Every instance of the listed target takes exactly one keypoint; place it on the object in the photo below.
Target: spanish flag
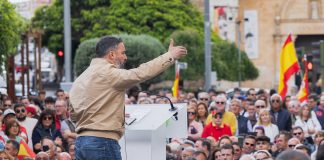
(25, 151)
(288, 65)
(303, 91)
(175, 87)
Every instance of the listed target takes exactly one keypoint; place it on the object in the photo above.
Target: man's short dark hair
(197, 153)
(292, 155)
(49, 100)
(106, 44)
(286, 134)
(249, 137)
(18, 105)
(297, 127)
(313, 96)
(227, 146)
(15, 144)
(263, 139)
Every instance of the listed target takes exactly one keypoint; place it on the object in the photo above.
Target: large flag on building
(288, 66)
(175, 87)
(303, 91)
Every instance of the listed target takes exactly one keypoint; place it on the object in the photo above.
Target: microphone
(173, 108)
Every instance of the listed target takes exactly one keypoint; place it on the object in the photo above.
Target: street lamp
(238, 23)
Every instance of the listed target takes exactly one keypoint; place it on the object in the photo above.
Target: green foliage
(139, 49)
(225, 62)
(224, 58)
(85, 52)
(96, 18)
(11, 25)
(193, 41)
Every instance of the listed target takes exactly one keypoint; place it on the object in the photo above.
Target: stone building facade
(271, 21)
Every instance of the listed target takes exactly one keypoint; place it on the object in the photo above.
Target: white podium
(146, 138)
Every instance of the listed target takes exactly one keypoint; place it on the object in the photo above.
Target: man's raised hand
(177, 51)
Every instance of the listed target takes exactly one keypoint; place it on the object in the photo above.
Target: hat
(8, 111)
(31, 110)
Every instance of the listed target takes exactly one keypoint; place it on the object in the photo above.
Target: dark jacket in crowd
(242, 124)
(284, 119)
(39, 132)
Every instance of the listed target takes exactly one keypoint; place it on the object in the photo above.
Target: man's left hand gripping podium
(148, 127)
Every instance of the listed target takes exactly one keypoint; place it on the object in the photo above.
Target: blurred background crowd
(248, 125)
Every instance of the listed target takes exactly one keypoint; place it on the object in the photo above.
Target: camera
(45, 148)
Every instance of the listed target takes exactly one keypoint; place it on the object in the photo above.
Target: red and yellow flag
(175, 87)
(25, 151)
(288, 65)
(303, 91)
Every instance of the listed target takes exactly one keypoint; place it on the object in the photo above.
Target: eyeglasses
(20, 110)
(47, 118)
(217, 116)
(252, 94)
(237, 150)
(203, 99)
(192, 113)
(298, 133)
(260, 106)
(291, 146)
(275, 100)
(249, 144)
(220, 102)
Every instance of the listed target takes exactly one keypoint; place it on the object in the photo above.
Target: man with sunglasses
(203, 97)
(292, 143)
(259, 104)
(228, 117)
(216, 128)
(299, 133)
(248, 144)
(280, 116)
(23, 120)
(7, 103)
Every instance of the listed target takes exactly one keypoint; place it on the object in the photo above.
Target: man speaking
(98, 94)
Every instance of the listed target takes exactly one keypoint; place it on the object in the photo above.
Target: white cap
(8, 111)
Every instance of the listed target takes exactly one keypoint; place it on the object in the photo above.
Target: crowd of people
(255, 125)
(249, 126)
(42, 123)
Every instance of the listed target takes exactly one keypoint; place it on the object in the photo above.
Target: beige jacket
(98, 95)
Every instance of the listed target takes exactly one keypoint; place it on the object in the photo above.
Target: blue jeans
(93, 148)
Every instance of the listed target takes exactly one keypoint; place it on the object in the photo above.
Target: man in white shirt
(23, 120)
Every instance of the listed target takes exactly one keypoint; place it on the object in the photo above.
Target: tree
(11, 26)
(152, 17)
(224, 58)
(139, 49)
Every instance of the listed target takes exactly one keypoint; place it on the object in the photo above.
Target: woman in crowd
(12, 131)
(216, 154)
(309, 124)
(202, 115)
(194, 128)
(264, 120)
(45, 127)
